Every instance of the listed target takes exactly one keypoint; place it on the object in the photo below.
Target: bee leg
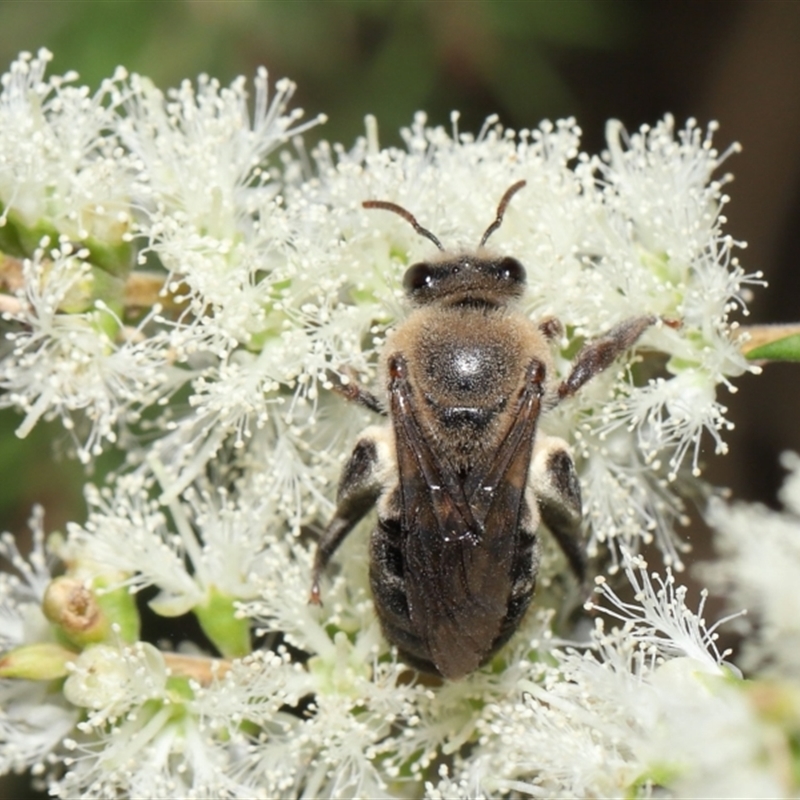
(358, 490)
(599, 353)
(354, 393)
(555, 485)
(551, 328)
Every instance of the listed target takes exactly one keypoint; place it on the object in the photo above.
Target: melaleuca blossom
(33, 720)
(183, 285)
(648, 703)
(84, 368)
(758, 569)
(61, 168)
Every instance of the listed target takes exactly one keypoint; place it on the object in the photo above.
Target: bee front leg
(359, 488)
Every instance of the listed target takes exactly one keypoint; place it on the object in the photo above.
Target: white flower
(188, 548)
(759, 570)
(268, 276)
(210, 206)
(60, 363)
(200, 154)
(627, 501)
(147, 733)
(60, 166)
(33, 719)
(21, 594)
(644, 707)
(111, 680)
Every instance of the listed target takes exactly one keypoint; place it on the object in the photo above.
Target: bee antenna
(406, 215)
(501, 210)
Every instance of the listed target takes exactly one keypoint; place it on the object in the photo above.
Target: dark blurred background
(736, 61)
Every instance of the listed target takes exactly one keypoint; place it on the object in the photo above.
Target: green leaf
(786, 349)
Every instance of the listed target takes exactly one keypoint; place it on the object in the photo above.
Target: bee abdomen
(388, 582)
(387, 574)
(387, 579)
(523, 573)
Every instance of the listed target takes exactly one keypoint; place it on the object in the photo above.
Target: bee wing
(459, 538)
(424, 479)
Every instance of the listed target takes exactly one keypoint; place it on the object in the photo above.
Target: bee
(460, 475)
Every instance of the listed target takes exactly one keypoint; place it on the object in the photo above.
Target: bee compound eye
(418, 276)
(509, 269)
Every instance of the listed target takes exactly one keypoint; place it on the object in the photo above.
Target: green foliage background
(387, 57)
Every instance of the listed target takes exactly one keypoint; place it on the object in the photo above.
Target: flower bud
(71, 605)
(45, 661)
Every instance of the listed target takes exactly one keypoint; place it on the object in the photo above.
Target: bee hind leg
(554, 482)
(598, 354)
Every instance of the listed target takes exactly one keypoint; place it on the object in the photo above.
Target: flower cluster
(759, 559)
(176, 282)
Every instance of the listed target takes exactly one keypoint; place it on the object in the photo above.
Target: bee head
(469, 278)
(464, 279)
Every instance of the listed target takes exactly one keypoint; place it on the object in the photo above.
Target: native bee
(460, 476)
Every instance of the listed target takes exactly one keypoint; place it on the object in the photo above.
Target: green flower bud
(45, 661)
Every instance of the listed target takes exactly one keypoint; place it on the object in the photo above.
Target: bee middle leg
(359, 488)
